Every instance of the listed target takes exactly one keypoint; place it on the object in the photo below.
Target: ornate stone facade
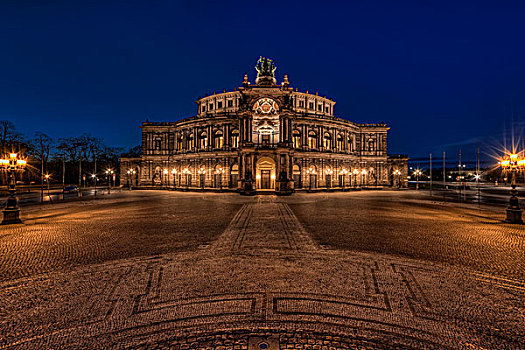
(264, 137)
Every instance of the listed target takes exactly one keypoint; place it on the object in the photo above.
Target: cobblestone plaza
(325, 271)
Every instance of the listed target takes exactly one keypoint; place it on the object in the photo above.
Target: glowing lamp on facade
(12, 155)
(272, 176)
(173, 171)
(21, 162)
(165, 171)
(258, 176)
(364, 172)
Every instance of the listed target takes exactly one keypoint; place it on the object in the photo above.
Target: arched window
(312, 140)
(190, 144)
(235, 138)
(203, 140)
(327, 141)
(296, 138)
(340, 142)
(218, 139)
(158, 144)
(350, 143)
(180, 140)
(371, 144)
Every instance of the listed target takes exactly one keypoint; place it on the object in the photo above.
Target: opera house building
(264, 137)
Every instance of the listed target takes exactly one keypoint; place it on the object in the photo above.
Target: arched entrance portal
(265, 174)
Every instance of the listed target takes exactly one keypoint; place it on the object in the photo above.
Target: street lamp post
(355, 172)
(187, 173)
(47, 176)
(131, 173)
(219, 172)
(174, 172)
(12, 164)
(310, 172)
(363, 174)
(165, 172)
(344, 172)
(109, 172)
(94, 176)
(417, 173)
(513, 163)
(397, 174)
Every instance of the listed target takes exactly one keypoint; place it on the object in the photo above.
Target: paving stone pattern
(263, 283)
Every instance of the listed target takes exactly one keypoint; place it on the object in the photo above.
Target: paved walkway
(264, 279)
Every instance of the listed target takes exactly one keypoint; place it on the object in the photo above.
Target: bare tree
(42, 147)
(8, 136)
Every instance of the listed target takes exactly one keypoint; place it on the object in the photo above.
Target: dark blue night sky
(443, 75)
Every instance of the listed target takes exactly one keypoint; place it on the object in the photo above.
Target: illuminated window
(190, 142)
(179, 143)
(327, 141)
(312, 140)
(203, 139)
(340, 141)
(218, 139)
(296, 139)
(157, 145)
(371, 144)
(350, 143)
(235, 138)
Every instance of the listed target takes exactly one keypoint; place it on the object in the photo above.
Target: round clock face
(266, 106)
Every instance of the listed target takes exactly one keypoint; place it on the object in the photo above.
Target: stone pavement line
(265, 225)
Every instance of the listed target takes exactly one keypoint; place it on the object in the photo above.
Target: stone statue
(265, 71)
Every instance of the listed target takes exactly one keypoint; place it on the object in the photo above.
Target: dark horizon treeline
(79, 155)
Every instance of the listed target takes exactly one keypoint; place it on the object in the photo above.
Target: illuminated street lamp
(328, 178)
(202, 176)
(344, 172)
(219, 171)
(47, 176)
(130, 173)
(397, 174)
(166, 174)
(94, 177)
(186, 171)
(418, 173)
(109, 172)
(363, 174)
(173, 172)
(514, 162)
(355, 172)
(311, 172)
(12, 164)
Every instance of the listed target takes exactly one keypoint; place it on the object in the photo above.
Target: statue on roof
(265, 71)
